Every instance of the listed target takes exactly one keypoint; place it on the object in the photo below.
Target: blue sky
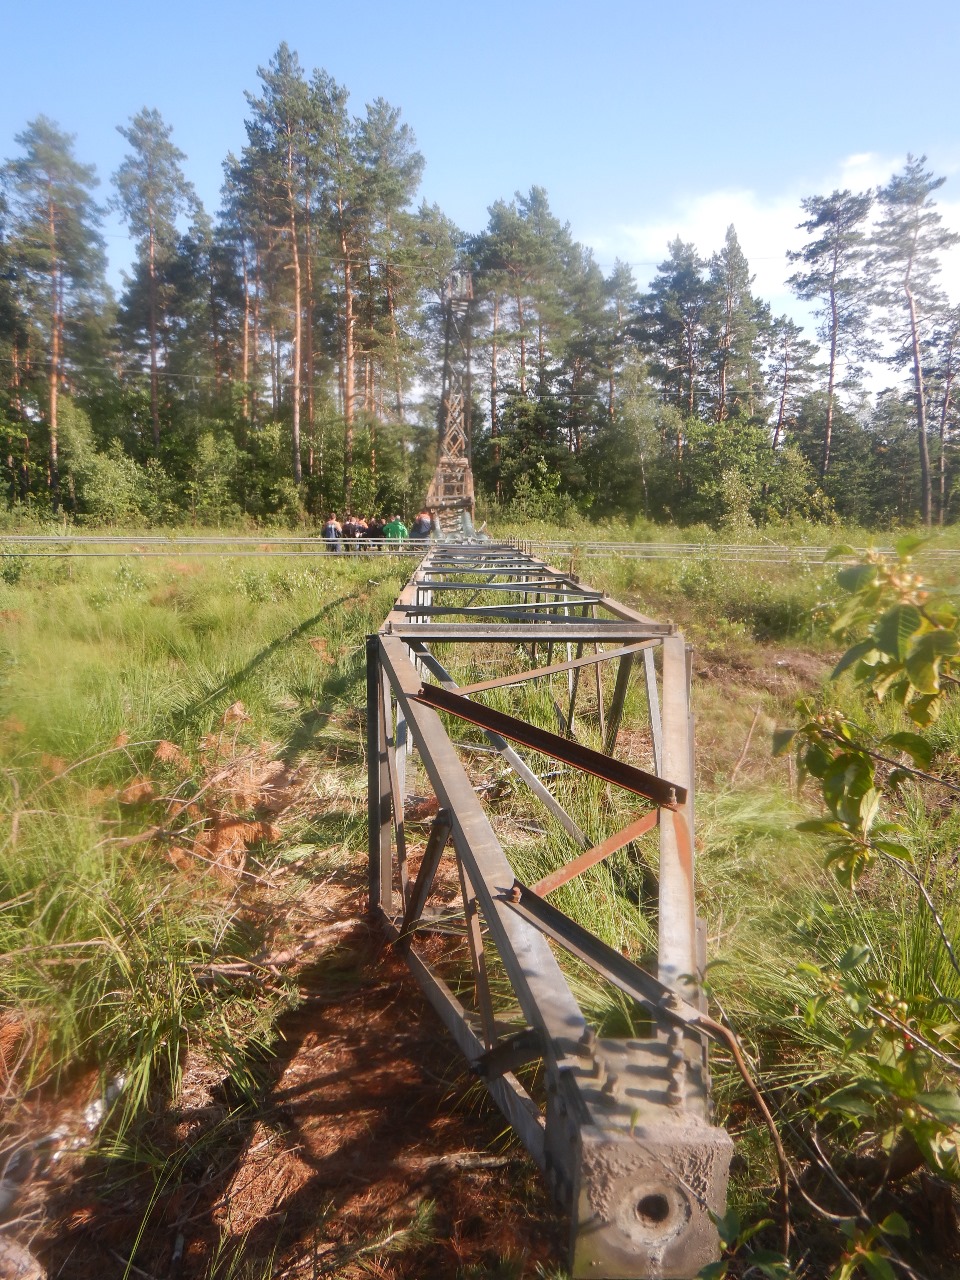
(642, 120)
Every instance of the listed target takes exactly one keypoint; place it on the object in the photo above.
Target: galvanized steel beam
(621, 1127)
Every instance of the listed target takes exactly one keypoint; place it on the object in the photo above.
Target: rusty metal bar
(396, 793)
(525, 612)
(653, 708)
(659, 790)
(677, 951)
(380, 885)
(597, 854)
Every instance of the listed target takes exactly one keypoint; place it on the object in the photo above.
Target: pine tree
(277, 144)
(343, 219)
(672, 327)
(392, 168)
(833, 277)
(59, 252)
(946, 355)
(152, 192)
(731, 327)
(904, 265)
(791, 368)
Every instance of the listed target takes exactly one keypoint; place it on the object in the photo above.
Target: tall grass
(110, 956)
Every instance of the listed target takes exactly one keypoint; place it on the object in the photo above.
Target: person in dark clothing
(421, 525)
(352, 530)
(332, 532)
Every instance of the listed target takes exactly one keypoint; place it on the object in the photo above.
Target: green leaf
(859, 1038)
(943, 1103)
(772, 1265)
(841, 549)
(893, 848)
(747, 1233)
(851, 656)
(813, 1007)
(816, 761)
(941, 614)
(822, 826)
(915, 745)
(782, 739)
(728, 1226)
(908, 543)
(853, 957)
(890, 1074)
(923, 711)
(896, 628)
(923, 660)
(894, 1225)
(877, 1265)
(869, 808)
(857, 576)
(713, 1271)
(849, 1101)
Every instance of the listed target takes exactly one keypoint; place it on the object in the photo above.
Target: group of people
(355, 528)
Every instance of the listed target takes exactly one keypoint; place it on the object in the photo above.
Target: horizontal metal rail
(620, 1126)
(768, 553)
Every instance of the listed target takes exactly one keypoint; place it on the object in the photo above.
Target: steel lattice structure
(621, 1127)
(450, 495)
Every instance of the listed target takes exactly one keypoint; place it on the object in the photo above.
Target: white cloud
(766, 228)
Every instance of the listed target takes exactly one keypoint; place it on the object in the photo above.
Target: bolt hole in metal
(653, 1209)
(651, 1213)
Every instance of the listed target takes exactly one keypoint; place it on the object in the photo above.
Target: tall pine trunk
(523, 347)
(395, 339)
(944, 415)
(308, 364)
(926, 493)
(348, 373)
(55, 305)
(245, 349)
(831, 383)
(297, 317)
(154, 373)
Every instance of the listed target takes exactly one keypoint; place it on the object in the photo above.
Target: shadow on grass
(227, 687)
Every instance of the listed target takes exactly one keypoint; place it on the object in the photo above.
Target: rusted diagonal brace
(659, 790)
(597, 854)
(436, 843)
(535, 672)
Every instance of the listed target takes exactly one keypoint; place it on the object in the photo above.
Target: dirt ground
(368, 1151)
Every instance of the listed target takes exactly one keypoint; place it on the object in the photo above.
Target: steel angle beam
(620, 1126)
(550, 744)
(550, 631)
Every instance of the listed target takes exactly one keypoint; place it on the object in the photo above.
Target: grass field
(181, 772)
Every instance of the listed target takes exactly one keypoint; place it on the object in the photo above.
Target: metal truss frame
(621, 1127)
(451, 496)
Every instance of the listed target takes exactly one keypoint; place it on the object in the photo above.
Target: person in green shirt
(395, 528)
